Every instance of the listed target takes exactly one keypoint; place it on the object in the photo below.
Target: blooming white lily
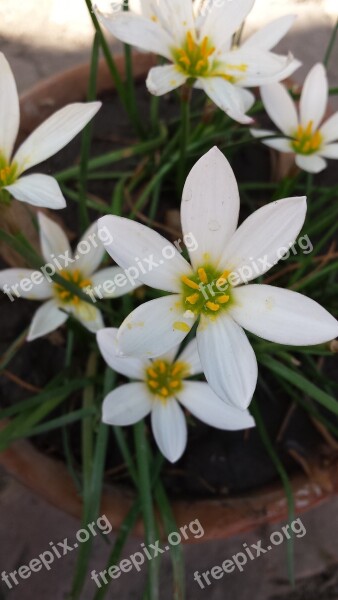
(210, 289)
(78, 269)
(159, 386)
(196, 38)
(311, 141)
(52, 135)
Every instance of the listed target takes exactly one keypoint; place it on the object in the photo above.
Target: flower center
(207, 291)
(65, 295)
(8, 175)
(193, 58)
(306, 141)
(164, 379)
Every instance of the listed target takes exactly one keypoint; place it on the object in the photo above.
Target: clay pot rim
(50, 479)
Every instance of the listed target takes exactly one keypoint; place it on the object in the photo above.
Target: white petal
(145, 254)
(55, 133)
(282, 316)
(46, 319)
(87, 314)
(89, 251)
(38, 190)
(129, 367)
(262, 67)
(228, 360)
(210, 207)
(169, 429)
(280, 107)
(53, 240)
(311, 164)
(139, 31)
(206, 406)
(264, 237)
(268, 36)
(111, 283)
(330, 129)
(280, 144)
(35, 286)
(177, 18)
(126, 405)
(224, 18)
(329, 151)
(248, 98)
(226, 96)
(313, 100)
(9, 109)
(154, 327)
(190, 355)
(164, 79)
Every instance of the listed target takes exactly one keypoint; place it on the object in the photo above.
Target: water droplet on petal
(214, 225)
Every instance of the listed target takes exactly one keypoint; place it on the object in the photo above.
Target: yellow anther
(162, 366)
(177, 368)
(76, 300)
(164, 392)
(174, 384)
(76, 276)
(153, 384)
(223, 299)
(308, 130)
(193, 298)
(192, 284)
(212, 306)
(152, 372)
(181, 326)
(64, 294)
(202, 275)
(223, 278)
(190, 42)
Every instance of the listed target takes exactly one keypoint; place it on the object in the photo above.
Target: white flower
(210, 290)
(311, 141)
(157, 388)
(52, 135)
(196, 39)
(78, 268)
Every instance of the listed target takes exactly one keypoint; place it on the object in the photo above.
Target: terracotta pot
(50, 479)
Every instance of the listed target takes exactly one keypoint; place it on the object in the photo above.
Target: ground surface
(43, 37)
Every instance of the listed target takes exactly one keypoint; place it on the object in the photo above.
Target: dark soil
(215, 462)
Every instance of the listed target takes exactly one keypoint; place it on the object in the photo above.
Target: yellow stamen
(192, 284)
(190, 42)
(193, 298)
(177, 368)
(202, 275)
(212, 306)
(152, 384)
(223, 299)
(164, 392)
(174, 384)
(162, 366)
(181, 326)
(152, 372)
(223, 278)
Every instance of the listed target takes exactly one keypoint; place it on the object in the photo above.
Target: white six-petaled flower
(78, 268)
(211, 289)
(52, 135)
(310, 140)
(196, 39)
(158, 387)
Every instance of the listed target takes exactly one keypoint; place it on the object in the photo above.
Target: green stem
(331, 45)
(108, 56)
(115, 156)
(86, 138)
(144, 483)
